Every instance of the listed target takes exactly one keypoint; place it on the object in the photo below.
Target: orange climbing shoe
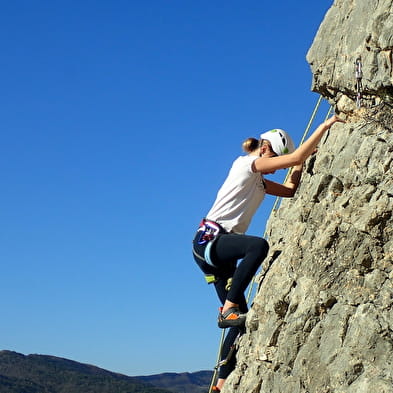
(231, 318)
(216, 389)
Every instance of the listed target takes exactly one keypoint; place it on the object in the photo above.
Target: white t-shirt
(239, 197)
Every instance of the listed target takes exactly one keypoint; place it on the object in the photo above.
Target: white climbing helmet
(280, 140)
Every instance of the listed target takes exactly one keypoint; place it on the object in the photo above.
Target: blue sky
(119, 121)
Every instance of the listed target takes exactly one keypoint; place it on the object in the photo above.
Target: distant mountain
(48, 374)
(198, 382)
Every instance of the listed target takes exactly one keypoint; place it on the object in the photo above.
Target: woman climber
(220, 241)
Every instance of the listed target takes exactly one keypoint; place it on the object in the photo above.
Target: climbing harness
(208, 230)
(359, 86)
(223, 362)
(207, 233)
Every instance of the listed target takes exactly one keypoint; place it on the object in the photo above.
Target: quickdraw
(359, 86)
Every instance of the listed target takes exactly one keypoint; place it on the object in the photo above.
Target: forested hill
(48, 374)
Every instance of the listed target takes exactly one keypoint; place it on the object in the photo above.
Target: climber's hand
(332, 120)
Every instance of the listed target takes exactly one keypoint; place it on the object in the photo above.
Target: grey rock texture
(353, 29)
(322, 320)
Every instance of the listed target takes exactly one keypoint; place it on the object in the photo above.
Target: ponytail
(250, 145)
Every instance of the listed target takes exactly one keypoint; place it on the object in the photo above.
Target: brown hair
(251, 144)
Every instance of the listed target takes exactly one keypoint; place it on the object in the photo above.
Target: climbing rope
(359, 86)
(215, 372)
(250, 288)
(306, 131)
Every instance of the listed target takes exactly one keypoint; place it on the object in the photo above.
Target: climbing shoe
(231, 318)
(216, 389)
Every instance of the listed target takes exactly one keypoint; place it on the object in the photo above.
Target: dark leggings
(226, 251)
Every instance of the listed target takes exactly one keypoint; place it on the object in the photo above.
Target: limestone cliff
(322, 320)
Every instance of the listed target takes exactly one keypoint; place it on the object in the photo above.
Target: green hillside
(197, 382)
(48, 374)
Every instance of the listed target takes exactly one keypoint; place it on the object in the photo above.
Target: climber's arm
(271, 164)
(287, 189)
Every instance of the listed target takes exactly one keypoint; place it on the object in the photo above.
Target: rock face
(354, 29)
(322, 320)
